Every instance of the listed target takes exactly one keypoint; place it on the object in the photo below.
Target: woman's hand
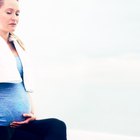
(28, 118)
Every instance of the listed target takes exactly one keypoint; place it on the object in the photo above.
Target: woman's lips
(13, 24)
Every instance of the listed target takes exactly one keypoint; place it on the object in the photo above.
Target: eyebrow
(13, 9)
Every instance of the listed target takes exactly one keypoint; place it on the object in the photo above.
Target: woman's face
(9, 15)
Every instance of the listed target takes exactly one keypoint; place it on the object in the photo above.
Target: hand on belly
(28, 117)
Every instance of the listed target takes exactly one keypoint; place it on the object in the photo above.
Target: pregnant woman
(17, 118)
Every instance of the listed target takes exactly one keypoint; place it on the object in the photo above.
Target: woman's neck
(4, 35)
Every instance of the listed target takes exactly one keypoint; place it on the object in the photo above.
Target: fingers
(30, 115)
(17, 124)
(27, 115)
(28, 118)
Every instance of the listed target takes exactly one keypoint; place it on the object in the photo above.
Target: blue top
(14, 100)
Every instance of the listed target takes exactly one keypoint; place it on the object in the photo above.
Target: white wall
(86, 62)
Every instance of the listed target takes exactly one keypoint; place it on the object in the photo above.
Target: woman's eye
(17, 14)
(8, 12)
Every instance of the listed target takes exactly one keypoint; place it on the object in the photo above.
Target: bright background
(86, 62)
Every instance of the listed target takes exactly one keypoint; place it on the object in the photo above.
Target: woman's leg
(46, 129)
(6, 133)
(24, 135)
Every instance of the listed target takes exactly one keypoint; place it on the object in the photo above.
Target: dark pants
(6, 132)
(46, 129)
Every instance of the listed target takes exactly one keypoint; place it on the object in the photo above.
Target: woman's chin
(12, 29)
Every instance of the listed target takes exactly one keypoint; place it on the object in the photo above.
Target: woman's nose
(14, 17)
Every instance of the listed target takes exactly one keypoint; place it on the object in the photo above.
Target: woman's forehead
(13, 4)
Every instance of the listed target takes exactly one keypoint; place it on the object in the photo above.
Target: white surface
(85, 135)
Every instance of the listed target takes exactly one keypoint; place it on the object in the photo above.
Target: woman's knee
(59, 124)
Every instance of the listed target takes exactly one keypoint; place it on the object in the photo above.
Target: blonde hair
(21, 44)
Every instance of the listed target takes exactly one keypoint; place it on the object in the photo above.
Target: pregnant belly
(14, 102)
(13, 111)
